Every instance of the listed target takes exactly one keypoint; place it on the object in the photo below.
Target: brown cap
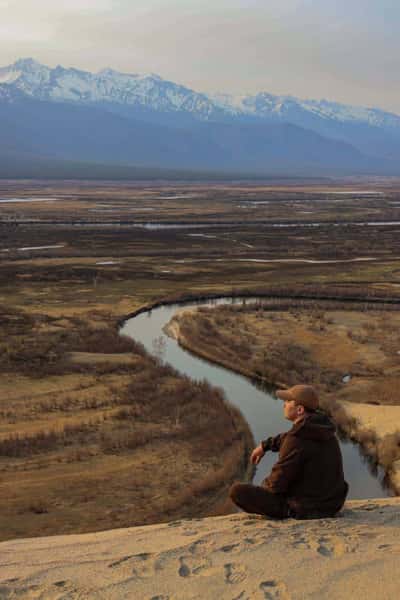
(301, 394)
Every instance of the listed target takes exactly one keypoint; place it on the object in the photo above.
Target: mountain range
(113, 118)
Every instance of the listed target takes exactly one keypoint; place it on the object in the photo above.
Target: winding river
(262, 410)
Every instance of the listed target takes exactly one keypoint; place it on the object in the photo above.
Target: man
(307, 481)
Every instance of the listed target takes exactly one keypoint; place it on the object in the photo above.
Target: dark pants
(257, 499)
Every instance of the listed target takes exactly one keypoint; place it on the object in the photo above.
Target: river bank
(356, 419)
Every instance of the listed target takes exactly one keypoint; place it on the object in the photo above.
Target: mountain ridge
(99, 86)
(142, 119)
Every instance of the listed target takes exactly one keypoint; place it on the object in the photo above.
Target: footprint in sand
(229, 548)
(261, 538)
(328, 546)
(242, 596)
(393, 548)
(234, 573)
(274, 590)
(301, 541)
(331, 546)
(132, 557)
(201, 547)
(57, 591)
(139, 565)
(190, 565)
(247, 541)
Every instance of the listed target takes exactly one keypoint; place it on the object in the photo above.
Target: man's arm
(271, 443)
(288, 468)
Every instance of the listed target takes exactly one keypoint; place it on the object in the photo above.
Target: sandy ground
(235, 557)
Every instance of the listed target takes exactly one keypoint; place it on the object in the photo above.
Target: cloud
(348, 50)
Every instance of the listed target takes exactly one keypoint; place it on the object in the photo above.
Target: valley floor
(86, 439)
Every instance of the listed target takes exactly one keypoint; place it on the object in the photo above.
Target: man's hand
(257, 455)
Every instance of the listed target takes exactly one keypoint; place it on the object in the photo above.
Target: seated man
(307, 481)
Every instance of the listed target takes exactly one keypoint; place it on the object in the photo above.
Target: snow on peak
(12, 73)
(8, 76)
(151, 91)
(107, 72)
(108, 85)
(292, 108)
(26, 64)
(300, 111)
(229, 102)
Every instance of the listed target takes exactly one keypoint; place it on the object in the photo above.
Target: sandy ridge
(235, 557)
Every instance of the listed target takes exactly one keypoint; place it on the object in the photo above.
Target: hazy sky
(346, 50)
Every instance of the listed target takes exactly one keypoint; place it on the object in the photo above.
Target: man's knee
(256, 499)
(236, 492)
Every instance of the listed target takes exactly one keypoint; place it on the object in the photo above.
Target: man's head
(298, 401)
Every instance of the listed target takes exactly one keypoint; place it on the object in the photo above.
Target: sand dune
(237, 557)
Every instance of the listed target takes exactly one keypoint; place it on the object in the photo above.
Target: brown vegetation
(115, 411)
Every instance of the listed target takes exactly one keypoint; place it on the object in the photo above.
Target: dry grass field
(320, 342)
(94, 433)
(92, 440)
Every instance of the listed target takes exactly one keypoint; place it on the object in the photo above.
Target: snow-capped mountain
(283, 107)
(73, 85)
(151, 91)
(144, 119)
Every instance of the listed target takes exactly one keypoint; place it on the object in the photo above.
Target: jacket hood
(315, 426)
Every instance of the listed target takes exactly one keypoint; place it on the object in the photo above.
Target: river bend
(261, 410)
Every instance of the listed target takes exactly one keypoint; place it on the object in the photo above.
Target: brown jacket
(309, 471)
